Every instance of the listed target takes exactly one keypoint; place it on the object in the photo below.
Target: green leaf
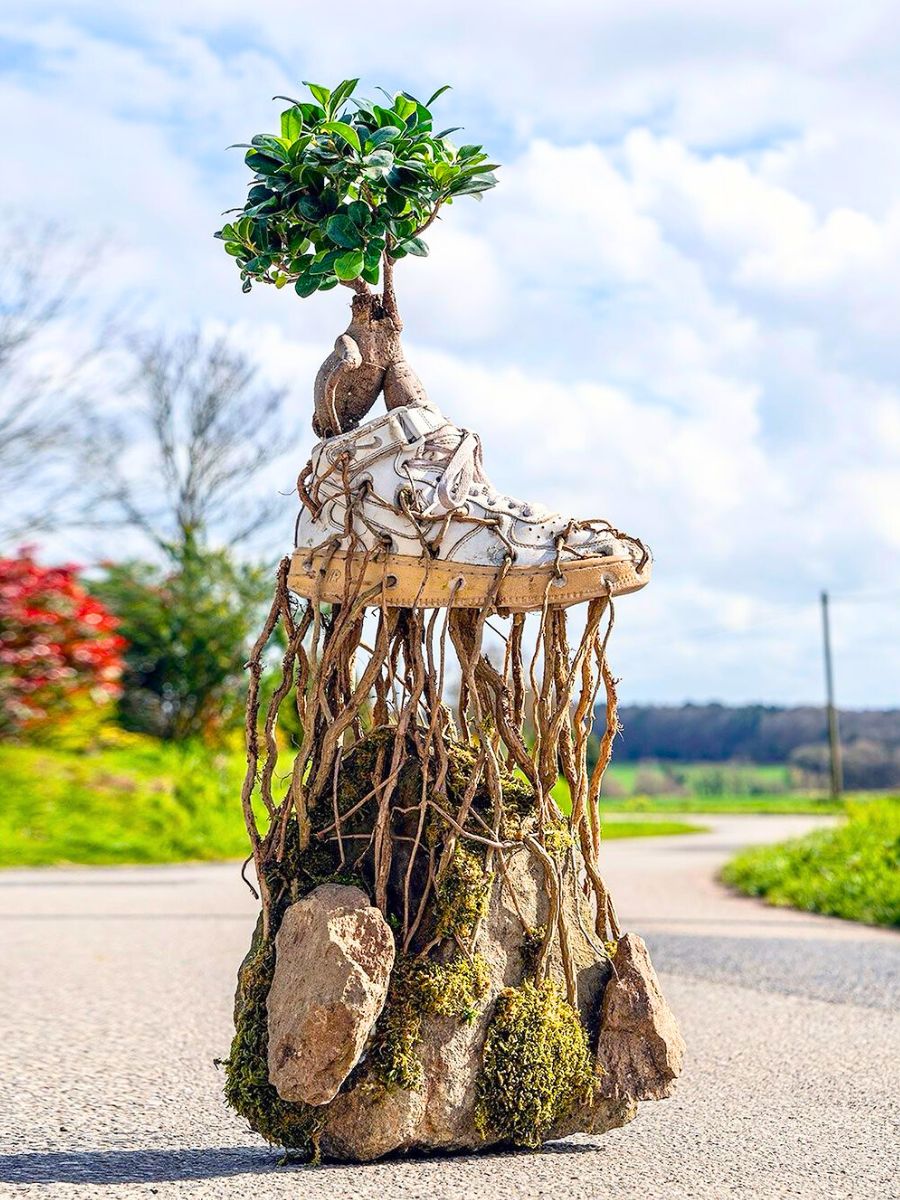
(301, 265)
(235, 249)
(396, 203)
(349, 266)
(325, 262)
(404, 106)
(322, 94)
(299, 147)
(473, 167)
(387, 134)
(306, 285)
(467, 151)
(310, 207)
(446, 132)
(260, 264)
(291, 123)
(443, 172)
(413, 245)
(342, 92)
(270, 145)
(360, 214)
(386, 117)
(343, 231)
(330, 282)
(329, 200)
(372, 274)
(439, 92)
(378, 163)
(262, 164)
(297, 241)
(343, 131)
(469, 187)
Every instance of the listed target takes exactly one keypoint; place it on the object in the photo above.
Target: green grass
(702, 788)
(797, 802)
(851, 871)
(143, 802)
(616, 828)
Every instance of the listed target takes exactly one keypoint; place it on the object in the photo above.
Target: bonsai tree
(346, 191)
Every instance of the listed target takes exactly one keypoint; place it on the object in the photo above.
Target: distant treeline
(763, 734)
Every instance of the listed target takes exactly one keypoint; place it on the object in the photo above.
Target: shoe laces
(457, 453)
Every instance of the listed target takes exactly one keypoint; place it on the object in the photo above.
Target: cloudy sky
(679, 310)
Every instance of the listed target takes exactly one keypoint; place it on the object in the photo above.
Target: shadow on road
(166, 1166)
(133, 1166)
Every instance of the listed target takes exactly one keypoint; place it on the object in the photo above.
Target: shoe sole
(402, 581)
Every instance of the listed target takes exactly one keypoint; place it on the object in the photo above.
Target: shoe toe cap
(609, 543)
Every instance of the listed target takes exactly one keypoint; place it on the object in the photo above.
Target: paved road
(114, 999)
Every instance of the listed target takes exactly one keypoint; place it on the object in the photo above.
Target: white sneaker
(401, 508)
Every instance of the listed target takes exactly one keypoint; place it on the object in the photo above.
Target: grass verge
(142, 801)
(612, 829)
(851, 871)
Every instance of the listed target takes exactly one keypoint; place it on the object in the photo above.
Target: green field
(701, 788)
(851, 871)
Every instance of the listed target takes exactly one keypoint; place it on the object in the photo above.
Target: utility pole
(834, 739)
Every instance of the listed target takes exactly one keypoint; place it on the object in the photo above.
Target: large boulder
(641, 1049)
(368, 1120)
(333, 958)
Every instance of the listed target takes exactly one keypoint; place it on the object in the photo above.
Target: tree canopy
(346, 189)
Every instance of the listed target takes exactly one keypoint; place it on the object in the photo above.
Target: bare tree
(179, 463)
(42, 374)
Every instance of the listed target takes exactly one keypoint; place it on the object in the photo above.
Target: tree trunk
(367, 359)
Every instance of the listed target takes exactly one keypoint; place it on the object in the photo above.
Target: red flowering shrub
(59, 650)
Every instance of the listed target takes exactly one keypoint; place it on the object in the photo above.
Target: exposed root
(345, 685)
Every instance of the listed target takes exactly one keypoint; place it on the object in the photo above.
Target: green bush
(188, 627)
(850, 871)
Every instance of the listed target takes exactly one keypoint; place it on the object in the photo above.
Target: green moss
(422, 988)
(518, 795)
(536, 1064)
(558, 839)
(462, 895)
(532, 941)
(247, 1087)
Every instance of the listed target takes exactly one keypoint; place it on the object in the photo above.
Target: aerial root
(333, 685)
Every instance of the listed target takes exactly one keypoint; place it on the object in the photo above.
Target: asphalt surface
(115, 990)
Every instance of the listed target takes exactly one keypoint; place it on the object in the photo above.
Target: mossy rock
(429, 1076)
(537, 1068)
